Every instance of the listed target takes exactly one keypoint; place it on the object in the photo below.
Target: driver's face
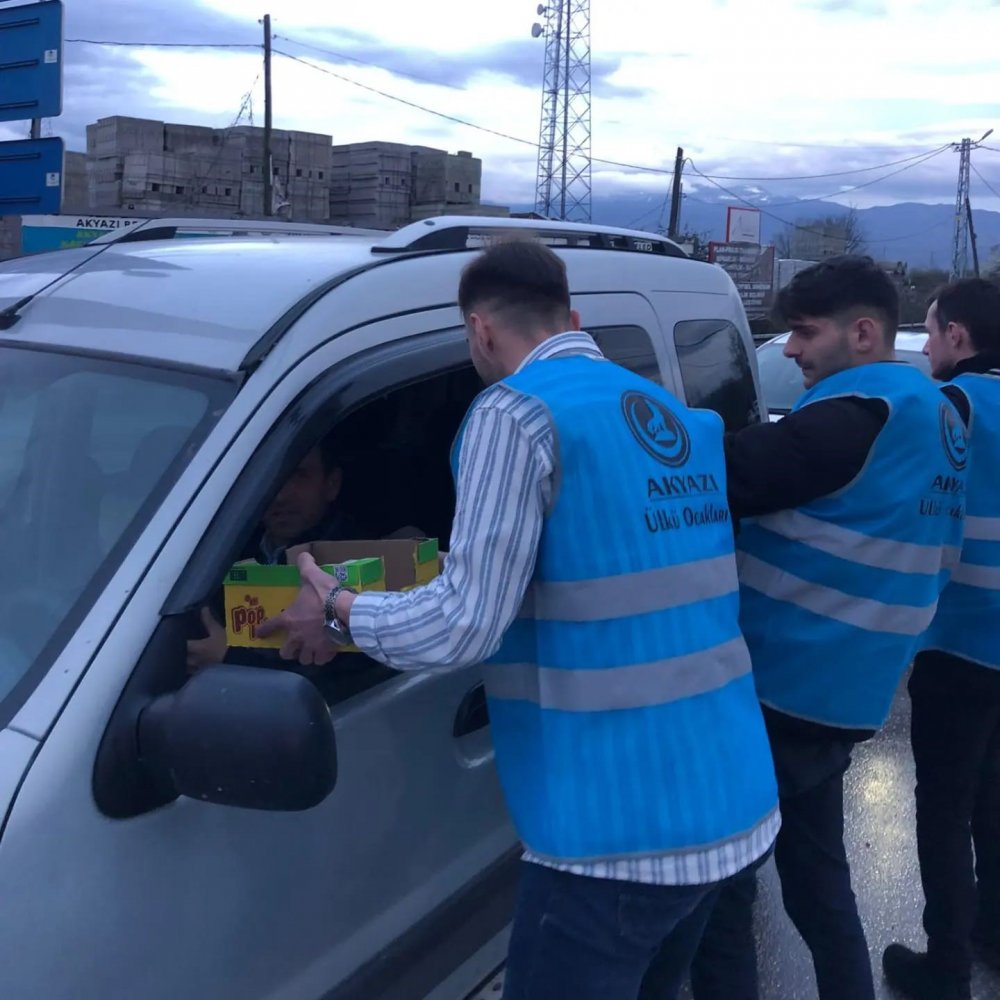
(303, 502)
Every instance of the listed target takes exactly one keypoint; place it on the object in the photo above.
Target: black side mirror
(241, 736)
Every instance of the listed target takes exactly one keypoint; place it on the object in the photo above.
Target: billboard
(742, 225)
(752, 270)
(58, 232)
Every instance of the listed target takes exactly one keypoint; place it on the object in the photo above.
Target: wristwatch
(337, 631)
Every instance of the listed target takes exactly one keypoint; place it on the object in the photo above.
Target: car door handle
(472, 714)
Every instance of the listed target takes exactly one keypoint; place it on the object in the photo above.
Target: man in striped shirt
(592, 569)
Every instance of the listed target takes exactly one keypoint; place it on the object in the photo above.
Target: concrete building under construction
(383, 185)
(151, 168)
(146, 167)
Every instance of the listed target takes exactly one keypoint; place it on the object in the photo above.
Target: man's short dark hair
(521, 275)
(975, 303)
(839, 286)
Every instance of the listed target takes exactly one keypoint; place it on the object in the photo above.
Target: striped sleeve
(503, 488)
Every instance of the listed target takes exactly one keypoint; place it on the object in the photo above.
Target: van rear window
(716, 372)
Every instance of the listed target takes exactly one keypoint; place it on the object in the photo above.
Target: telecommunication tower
(563, 188)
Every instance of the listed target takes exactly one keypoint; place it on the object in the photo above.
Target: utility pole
(960, 243)
(675, 196)
(972, 238)
(267, 166)
(963, 213)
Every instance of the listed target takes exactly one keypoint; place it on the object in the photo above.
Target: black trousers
(955, 732)
(815, 882)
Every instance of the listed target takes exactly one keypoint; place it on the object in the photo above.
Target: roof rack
(169, 229)
(462, 232)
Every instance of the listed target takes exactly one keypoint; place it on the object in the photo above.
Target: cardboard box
(407, 562)
(254, 592)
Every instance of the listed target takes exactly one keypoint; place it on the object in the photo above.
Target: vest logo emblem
(956, 448)
(657, 430)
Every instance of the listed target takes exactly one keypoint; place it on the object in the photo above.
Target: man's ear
(867, 335)
(481, 331)
(574, 320)
(958, 337)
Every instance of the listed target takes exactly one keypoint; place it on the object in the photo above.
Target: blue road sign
(31, 176)
(31, 41)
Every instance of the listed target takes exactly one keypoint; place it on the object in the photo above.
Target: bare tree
(816, 238)
(854, 235)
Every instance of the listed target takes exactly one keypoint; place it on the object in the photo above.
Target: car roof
(906, 340)
(208, 301)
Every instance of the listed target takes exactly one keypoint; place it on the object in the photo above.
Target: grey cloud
(99, 81)
(107, 80)
(519, 61)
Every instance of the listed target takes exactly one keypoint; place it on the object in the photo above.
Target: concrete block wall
(152, 167)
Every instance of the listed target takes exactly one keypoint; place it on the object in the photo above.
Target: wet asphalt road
(881, 839)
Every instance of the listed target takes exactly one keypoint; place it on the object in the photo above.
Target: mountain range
(921, 235)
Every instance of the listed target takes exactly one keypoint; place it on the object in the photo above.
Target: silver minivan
(246, 832)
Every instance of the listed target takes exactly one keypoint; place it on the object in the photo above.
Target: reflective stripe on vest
(639, 593)
(983, 529)
(861, 612)
(868, 550)
(638, 685)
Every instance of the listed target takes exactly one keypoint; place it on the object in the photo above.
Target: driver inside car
(303, 510)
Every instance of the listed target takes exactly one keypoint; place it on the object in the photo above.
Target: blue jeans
(581, 938)
(815, 884)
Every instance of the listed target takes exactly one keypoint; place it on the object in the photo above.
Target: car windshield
(781, 380)
(88, 449)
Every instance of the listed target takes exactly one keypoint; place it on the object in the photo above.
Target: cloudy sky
(749, 88)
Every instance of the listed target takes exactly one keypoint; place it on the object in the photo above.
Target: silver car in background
(781, 380)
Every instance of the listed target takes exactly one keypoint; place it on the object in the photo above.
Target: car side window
(629, 346)
(392, 453)
(715, 369)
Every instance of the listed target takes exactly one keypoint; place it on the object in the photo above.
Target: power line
(404, 101)
(745, 201)
(835, 173)
(166, 45)
(911, 160)
(984, 180)
(367, 62)
(914, 159)
(459, 121)
(858, 187)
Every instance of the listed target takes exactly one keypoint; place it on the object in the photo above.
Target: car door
(396, 879)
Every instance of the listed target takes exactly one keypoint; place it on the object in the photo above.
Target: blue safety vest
(621, 700)
(968, 618)
(836, 594)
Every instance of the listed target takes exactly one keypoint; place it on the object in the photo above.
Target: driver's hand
(303, 621)
(211, 649)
